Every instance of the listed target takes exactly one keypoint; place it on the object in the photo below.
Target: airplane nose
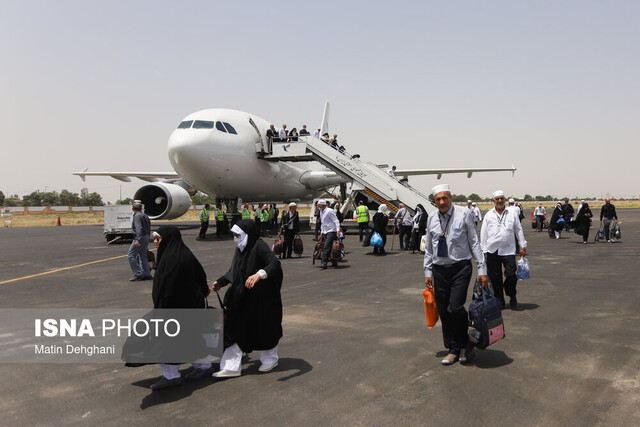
(183, 144)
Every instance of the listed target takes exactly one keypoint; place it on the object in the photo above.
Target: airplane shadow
(186, 389)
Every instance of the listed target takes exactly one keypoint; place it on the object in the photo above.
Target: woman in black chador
(179, 282)
(254, 307)
(582, 222)
(380, 221)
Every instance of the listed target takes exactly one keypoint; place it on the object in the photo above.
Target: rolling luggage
(337, 251)
(534, 223)
(277, 247)
(298, 247)
(485, 318)
(317, 251)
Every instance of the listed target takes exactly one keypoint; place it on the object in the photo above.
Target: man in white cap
(329, 228)
(477, 215)
(541, 214)
(405, 218)
(290, 227)
(452, 240)
(497, 240)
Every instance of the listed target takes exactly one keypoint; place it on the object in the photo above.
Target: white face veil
(241, 240)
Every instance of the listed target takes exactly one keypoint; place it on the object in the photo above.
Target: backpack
(317, 251)
(485, 318)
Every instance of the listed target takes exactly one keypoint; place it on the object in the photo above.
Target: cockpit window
(220, 127)
(202, 124)
(230, 128)
(185, 125)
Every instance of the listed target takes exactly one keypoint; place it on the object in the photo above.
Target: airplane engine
(164, 201)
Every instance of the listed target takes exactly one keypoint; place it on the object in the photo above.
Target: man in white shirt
(406, 224)
(282, 133)
(541, 213)
(329, 228)
(392, 172)
(500, 230)
(477, 214)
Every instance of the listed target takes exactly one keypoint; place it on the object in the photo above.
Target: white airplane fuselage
(226, 165)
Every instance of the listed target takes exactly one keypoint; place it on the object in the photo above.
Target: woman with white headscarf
(380, 221)
(253, 303)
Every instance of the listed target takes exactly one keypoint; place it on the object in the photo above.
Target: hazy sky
(552, 87)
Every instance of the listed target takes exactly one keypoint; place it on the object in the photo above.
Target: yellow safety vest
(219, 215)
(264, 215)
(204, 214)
(363, 213)
(246, 214)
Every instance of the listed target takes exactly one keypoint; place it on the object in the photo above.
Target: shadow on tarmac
(485, 359)
(186, 389)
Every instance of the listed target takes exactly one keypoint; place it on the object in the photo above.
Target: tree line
(53, 198)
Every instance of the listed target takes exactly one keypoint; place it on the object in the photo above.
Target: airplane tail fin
(324, 128)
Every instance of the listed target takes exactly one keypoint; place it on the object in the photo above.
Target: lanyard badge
(443, 251)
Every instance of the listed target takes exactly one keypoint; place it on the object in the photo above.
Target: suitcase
(337, 251)
(485, 318)
(277, 247)
(317, 251)
(298, 247)
(534, 224)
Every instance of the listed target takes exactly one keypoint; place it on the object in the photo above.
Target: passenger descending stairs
(366, 177)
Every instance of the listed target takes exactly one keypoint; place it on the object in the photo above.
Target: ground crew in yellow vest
(264, 220)
(220, 229)
(204, 222)
(246, 212)
(362, 213)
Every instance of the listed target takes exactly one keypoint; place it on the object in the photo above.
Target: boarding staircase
(366, 177)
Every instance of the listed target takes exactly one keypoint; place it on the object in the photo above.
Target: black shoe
(334, 264)
(147, 278)
(198, 238)
(324, 266)
(165, 383)
(135, 279)
(200, 373)
(513, 303)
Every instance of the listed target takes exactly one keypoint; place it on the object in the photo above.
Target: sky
(552, 87)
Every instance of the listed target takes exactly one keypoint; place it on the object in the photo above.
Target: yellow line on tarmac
(62, 269)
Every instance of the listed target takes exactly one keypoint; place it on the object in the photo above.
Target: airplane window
(202, 124)
(220, 127)
(230, 128)
(185, 125)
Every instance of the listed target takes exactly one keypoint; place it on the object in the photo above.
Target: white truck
(117, 223)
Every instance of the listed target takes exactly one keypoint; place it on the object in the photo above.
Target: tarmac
(356, 349)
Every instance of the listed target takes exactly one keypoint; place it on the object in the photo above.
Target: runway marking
(62, 269)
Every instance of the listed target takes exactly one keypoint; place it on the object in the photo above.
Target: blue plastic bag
(376, 240)
(561, 222)
(524, 272)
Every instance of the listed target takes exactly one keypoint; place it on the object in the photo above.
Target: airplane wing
(440, 172)
(126, 176)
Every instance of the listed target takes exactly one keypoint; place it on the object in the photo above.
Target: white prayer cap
(512, 200)
(292, 204)
(559, 202)
(440, 188)
(581, 201)
(322, 203)
(498, 193)
(156, 235)
(473, 204)
(469, 201)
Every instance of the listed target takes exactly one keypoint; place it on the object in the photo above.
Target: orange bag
(430, 307)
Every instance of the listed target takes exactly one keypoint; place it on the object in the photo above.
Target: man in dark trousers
(141, 228)
(204, 222)
(362, 213)
(330, 227)
(452, 240)
(220, 219)
(290, 227)
(608, 212)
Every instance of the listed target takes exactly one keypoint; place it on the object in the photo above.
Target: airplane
(220, 152)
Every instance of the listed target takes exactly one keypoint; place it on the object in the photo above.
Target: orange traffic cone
(59, 223)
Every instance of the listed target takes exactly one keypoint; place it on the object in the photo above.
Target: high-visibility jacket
(363, 213)
(272, 214)
(246, 213)
(204, 215)
(219, 215)
(264, 215)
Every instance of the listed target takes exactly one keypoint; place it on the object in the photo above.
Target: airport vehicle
(117, 223)
(227, 154)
